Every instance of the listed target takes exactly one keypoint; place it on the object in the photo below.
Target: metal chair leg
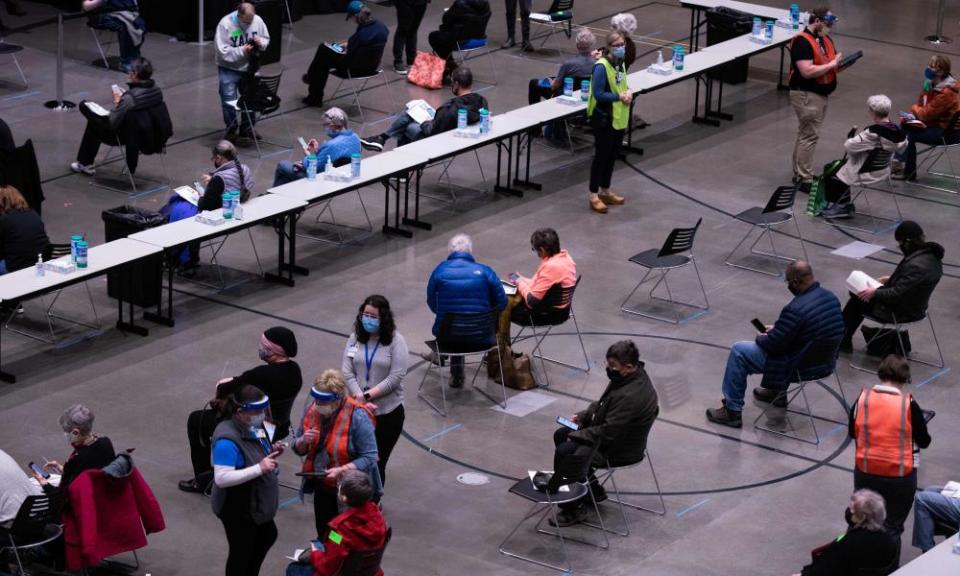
(443, 392)
(801, 391)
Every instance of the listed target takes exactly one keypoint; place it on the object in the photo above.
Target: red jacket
(361, 528)
(107, 515)
(935, 108)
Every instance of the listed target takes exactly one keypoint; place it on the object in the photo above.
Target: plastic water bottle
(355, 165)
(73, 247)
(328, 167)
(585, 87)
(40, 270)
(678, 57)
(769, 35)
(485, 117)
(568, 86)
(310, 163)
(227, 205)
(237, 208)
(795, 15)
(82, 254)
(757, 27)
(462, 119)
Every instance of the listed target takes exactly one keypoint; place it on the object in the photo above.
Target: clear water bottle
(795, 15)
(584, 90)
(462, 119)
(227, 203)
(310, 165)
(82, 254)
(39, 267)
(678, 57)
(568, 86)
(757, 26)
(237, 208)
(73, 247)
(485, 119)
(355, 165)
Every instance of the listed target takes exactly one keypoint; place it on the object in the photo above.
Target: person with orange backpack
(335, 435)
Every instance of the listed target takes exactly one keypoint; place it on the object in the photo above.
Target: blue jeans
(285, 173)
(128, 50)
(745, 358)
(929, 135)
(230, 87)
(3, 267)
(299, 569)
(930, 506)
(405, 129)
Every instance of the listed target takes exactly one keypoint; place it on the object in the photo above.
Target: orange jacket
(935, 108)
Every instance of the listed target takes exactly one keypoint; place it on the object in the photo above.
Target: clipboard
(848, 61)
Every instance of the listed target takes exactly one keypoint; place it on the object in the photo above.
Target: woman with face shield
(245, 483)
(335, 435)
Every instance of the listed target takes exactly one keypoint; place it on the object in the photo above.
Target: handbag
(427, 71)
(818, 187)
(522, 376)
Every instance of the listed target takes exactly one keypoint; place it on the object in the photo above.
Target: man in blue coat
(812, 316)
(462, 285)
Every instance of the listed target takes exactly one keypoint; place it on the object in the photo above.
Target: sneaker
(570, 517)
(510, 43)
(191, 485)
(82, 168)
(836, 211)
(400, 68)
(903, 176)
(775, 397)
(374, 143)
(725, 416)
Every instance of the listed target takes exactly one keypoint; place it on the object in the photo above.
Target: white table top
(746, 7)
(693, 64)
(372, 170)
(939, 561)
(448, 143)
(100, 259)
(744, 46)
(188, 230)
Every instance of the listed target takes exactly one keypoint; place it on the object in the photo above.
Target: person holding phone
(340, 145)
(245, 485)
(15, 487)
(90, 451)
(930, 116)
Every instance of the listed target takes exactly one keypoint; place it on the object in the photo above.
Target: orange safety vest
(337, 442)
(884, 433)
(819, 56)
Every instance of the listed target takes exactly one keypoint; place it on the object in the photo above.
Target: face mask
(262, 352)
(257, 420)
(848, 516)
(929, 73)
(793, 289)
(371, 325)
(68, 436)
(619, 52)
(614, 375)
(326, 410)
(331, 132)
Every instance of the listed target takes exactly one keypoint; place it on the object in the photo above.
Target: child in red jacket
(359, 528)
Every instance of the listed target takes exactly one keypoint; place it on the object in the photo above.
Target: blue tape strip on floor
(838, 428)
(692, 508)
(932, 378)
(443, 432)
(289, 502)
(21, 96)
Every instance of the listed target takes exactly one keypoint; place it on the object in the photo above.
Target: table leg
(525, 181)
(507, 188)
(629, 147)
(718, 113)
(780, 84)
(415, 221)
(387, 228)
(291, 264)
(126, 291)
(158, 317)
(285, 269)
(708, 89)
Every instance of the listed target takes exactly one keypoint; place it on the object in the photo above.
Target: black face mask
(614, 376)
(793, 289)
(848, 516)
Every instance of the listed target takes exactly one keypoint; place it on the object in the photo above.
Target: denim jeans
(929, 135)
(230, 87)
(299, 569)
(745, 358)
(405, 129)
(285, 173)
(128, 50)
(930, 506)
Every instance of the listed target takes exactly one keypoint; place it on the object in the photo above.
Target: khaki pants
(810, 109)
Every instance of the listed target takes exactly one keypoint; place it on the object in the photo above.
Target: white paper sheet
(857, 250)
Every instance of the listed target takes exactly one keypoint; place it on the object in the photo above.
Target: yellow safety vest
(621, 112)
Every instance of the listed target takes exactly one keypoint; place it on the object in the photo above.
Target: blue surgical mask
(331, 132)
(929, 73)
(371, 325)
(619, 52)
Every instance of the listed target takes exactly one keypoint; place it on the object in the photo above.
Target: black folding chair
(261, 99)
(877, 160)
(365, 562)
(558, 19)
(357, 77)
(328, 208)
(884, 326)
(779, 209)
(676, 252)
(606, 474)
(37, 524)
(933, 153)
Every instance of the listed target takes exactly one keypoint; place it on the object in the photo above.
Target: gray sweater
(232, 36)
(388, 366)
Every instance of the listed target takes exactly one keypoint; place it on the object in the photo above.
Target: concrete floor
(770, 499)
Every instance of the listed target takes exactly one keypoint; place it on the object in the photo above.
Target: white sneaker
(82, 168)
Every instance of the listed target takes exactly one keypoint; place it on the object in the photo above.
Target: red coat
(361, 528)
(107, 515)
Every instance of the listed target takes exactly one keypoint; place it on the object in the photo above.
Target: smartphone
(303, 143)
(568, 423)
(758, 325)
(116, 89)
(39, 470)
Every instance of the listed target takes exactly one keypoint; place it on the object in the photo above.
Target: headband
(261, 404)
(272, 348)
(323, 396)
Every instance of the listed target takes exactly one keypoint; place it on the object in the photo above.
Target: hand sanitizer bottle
(659, 58)
(40, 270)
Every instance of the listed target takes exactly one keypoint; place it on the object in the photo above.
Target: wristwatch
(366, 395)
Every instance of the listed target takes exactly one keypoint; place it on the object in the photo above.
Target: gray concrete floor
(738, 502)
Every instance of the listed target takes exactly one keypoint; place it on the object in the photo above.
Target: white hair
(460, 243)
(336, 117)
(879, 104)
(77, 417)
(624, 22)
(585, 40)
(871, 506)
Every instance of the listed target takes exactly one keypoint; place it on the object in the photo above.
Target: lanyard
(368, 358)
(260, 435)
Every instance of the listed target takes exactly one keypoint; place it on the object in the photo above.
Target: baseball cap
(354, 8)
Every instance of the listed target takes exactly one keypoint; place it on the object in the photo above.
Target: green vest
(621, 112)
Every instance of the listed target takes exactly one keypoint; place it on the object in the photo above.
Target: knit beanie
(284, 338)
(908, 230)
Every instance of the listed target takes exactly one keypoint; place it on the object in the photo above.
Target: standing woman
(245, 481)
(609, 113)
(374, 364)
(409, 15)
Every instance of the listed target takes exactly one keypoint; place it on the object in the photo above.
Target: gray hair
(623, 22)
(880, 105)
(871, 506)
(77, 417)
(356, 487)
(460, 243)
(226, 149)
(336, 117)
(585, 40)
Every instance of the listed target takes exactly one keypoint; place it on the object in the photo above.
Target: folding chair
(816, 354)
(606, 474)
(546, 504)
(328, 208)
(897, 327)
(668, 257)
(464, 48)
(262, 100)
(215, 245)
(559, 18)
(445, 173)
(37, 524)
(96, 39)
(459, 335)
(779, 209)
(554, 309)
(877, 160)
(951, 139)
(12, 50)
(116, 151)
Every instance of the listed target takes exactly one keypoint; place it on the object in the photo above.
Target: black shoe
(230, 135)
(725, 416)
(305, 79)
(804, 187)
(526, 46)
(191, 485)
(250, 135)
(510, 43)
(570, 517)
(837, 212)
(599, 493)
(777, 397)
(456, 381)
(312, 102)
(846, 347)
(374, 143)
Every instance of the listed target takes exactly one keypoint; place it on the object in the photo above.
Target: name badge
(352, 351)
(260, 433)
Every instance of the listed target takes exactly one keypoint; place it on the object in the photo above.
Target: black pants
(525, 7)
(325, 509)
(97, 132)
(319, 70)
(837, 191)
(897, 492)
(249, 543)
(853, 313)
(200, 427)
(536, 92)
(408, 24)
(569, 458)
(442, 43)
(389, 427)
(606, 147)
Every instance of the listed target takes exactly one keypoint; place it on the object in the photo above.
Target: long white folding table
(938, 561)
(698, 7)
(106, 258)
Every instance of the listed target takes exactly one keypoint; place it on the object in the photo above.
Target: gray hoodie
(232, 36)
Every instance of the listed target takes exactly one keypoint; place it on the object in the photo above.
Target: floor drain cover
(473, 479)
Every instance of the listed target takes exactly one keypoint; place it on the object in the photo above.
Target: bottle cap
(355, 155)
(76, 237)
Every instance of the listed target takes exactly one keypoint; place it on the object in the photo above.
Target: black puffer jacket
(466, 19)
(907, 292)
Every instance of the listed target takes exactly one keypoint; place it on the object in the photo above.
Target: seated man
(881, 134)
(143, 94)
(464, 20)
(359, 528)
(618, 425)
(22, 234)
(407, 130)
(461, 285)
(122, 17)
(340, 145)
(580, 67)
(15, 487)
(934, 505)
(936, 105)
(812, 316)
(904, 295)
(360, 54)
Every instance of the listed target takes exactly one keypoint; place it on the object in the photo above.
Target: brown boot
(611, 199)
(597, 205)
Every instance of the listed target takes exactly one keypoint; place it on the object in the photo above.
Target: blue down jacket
(812, 315)
(461, 284)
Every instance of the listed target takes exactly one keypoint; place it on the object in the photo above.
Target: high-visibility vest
(819, 55)
(616, 82)
(337, 441)
(884, 433)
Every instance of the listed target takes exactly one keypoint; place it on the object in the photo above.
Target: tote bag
(427, 71)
